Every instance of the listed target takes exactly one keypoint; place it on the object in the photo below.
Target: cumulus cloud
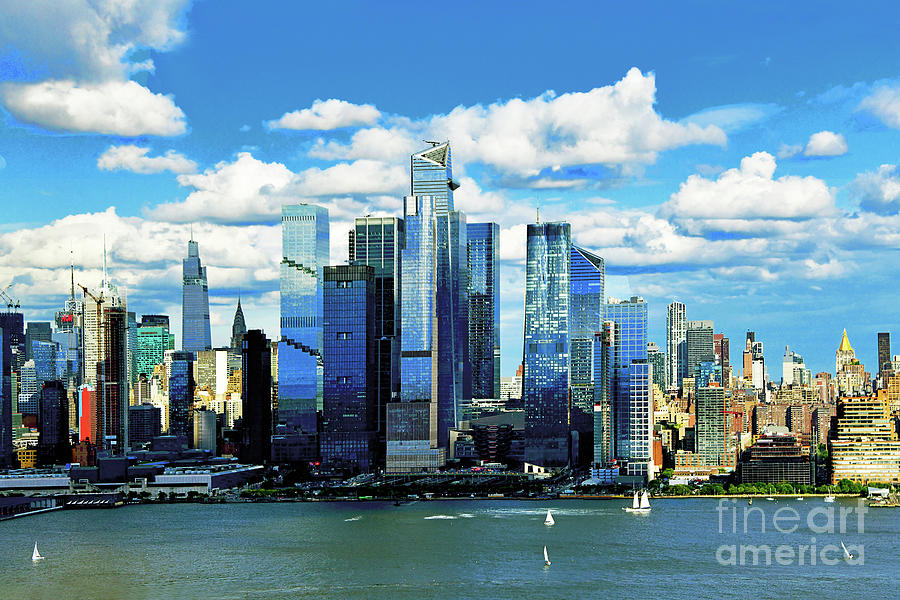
(789, 150)
(750, 192)
(327, 114)
(878, 191)
(121, 108)
(826, 143)
(70, 63)
(884, 103)
(134, 158)
(358, 177)
(614, 125)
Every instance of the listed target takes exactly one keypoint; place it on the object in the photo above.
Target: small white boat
(36, 556)
(847, 555)
(549, 520)
(640, 504)
(799, 498)
(770, 499)
(830, 496)
(546, 557)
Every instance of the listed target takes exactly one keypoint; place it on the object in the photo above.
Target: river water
(447, 549)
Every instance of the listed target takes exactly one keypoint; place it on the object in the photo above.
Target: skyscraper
(12, 355)
(151, 343)
(483, 241)
(700, 347)
(54, 445)
(378, 242)
(35, 331)
(546, 344)
(238, 329)
(676, 344)
(181, 393)
(711, 430)
(194, 303)
(632, 389)
(658, 360)
(305, 253)
(350, 415)
(256, 397)
(884, 351)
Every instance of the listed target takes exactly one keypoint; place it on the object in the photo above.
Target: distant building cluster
(390, 362)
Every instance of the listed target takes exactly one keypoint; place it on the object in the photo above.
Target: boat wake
(356, 518)
(440, 517)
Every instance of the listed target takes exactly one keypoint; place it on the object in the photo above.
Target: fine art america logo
(832, 523)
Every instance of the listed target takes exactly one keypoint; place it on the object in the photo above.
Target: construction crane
(11, 303)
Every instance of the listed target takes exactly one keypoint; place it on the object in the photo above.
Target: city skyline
(807, 221)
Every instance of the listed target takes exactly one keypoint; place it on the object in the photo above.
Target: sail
(36, 555)
(645, 500)
(549, 520)
(546, 556)
(635, 503)
(846, 552)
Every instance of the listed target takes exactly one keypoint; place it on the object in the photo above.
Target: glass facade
(350, 412)
(640, 418)
(676, 345)
(546, 344)
(431, 174)
(483, 377)
(256, 398)
(44, 356)
(12, 355)
(632, 400)
(181, 392)
(658, 360)
(151, 343)
(305, 253)
(194, 303)
(711, 431)
(700, 346)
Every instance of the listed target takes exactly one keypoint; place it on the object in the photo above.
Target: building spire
(539, 211)
(72, 273)
(845, 343)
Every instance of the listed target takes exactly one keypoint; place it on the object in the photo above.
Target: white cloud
(123, 108)
(884, 103)
(327, 114)
(358, 177)
(733, 117)
(789, 150)
(750, 192)
(879, 191)
(134, 158)
(826, 143)
(615, 125)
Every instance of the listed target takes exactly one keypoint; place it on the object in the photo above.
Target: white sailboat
(640, 503)
(36, 556)
(830, 496)
(549, 520)
(847, 555)
(546, 557)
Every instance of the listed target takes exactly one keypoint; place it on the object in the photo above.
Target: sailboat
(549, 520)
(640, 503)
(546, 557)
(36, 556)
(847, 555)
(830, 496)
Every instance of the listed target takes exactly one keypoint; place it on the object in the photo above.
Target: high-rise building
(676, 344)
(711, 432)
(658, 360)
(864, 446)
(604, 434)
(721, 350)
(195, 334)
(378, 242)
(305, 253)
(144, 423)
(151, 343)
(12, 355)
(884, 351)
(546, 344)
(36, 331)
(54, 446)
(700, 347)
(844, 354)
(587, 275)
(256, 396)
(180, 369)
(632, 385)
(349, 418)
(789, 364)
(483, 241)
(204, 429)
(238, 329)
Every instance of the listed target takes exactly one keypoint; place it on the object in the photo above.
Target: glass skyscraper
(181, 392)
(12, 355)
(305, 253)
(546, 344)
(483, 377)
(700, 346)
(632, 378)
(194, 303)
(349, 417)
(378, 242)
(151, 343)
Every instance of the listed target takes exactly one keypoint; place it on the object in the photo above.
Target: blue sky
(742, 159)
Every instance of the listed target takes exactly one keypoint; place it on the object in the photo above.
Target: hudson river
(447, 550)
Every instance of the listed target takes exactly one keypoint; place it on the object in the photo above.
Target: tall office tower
(484, 310)
(676, 344)
(256, 398)
(194, 303)
(238, 329)
(305, 252)
(587, 273)
(844, 354)
(350, 414)
(721, 351)
(412, 431)
(12, 355)
(29, 399)
(157, 321)
(378, 242)
(604, 436)
(545, 379)
(204, 430)
(44, 356)
(151, 344)
(36, 331)
(53, 445)
(69, 326)
(789, 363)
(144, 423)
(884, 351)
(700, 347)
(211, 370)
(632, 390)
(711, 429)
(658, 360)
(180, 369)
